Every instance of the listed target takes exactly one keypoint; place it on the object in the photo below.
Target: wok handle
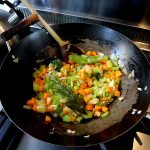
(33, 18)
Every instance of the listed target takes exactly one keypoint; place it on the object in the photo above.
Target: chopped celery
(105, 114)
(109, 64)
(42, 67)
(115, 68)
(117, 81)
(105, 58)
(66, 118)
(83, 59)
(35, 87)
(56, 99)
(88, 115)
(40, 95)
(79, 119)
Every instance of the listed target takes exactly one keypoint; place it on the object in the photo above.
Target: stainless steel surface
(4, 25)
(129, 12)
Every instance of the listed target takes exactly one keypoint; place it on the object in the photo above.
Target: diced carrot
(66, 66)
(82, 75)
(87, 91)
(48, 101)
(107, 75)
(37, 80)
(89, 82)
(83, 86)
(109, 89)
(112, 75)
(93, 53)
(104, 98)
(86, 98)
(81, 92)
(97, 108)
(48, 119)
(62, 105)
(105, 67)
(102, 62)
(118, 74)
(31, 102)
(71, 62)
(40, 88)
(89, 107)
(117, 93)
(45, 95)
(104, 109)
(88, 53)
(39, 75)
(34, 108)
(50, 109)
(73, 118)
(44, 71)
(43, 82)
(66, 111)
(76, 91)
(116, 87)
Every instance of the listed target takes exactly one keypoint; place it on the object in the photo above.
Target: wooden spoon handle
(45, 24)
(23, 24)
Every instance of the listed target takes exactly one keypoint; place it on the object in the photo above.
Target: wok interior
(16, 79)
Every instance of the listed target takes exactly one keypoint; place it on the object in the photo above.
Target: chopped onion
(86, 136)
(120, 63)
(70, 131)
(133, 112)
(134, 109)
(140, 89)
(16, 60)
(145, 88)
(93, 101)
(124, 70)
(111, 84)
(132, 73)
(139, 112)
(13, 56)
(97, 113)
(120, 98)
(63, 100)
(27, 107)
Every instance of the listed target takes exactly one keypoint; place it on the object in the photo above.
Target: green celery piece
(56, 99)
(66, 118)
(42, 67)
(40, 95)
(109, 64)
(83, 59)
(115, 68)
(79, 119)
(117, 81)
(88, 115)
(105, 114)
(35, 87)
(105, 58)
(58, 109)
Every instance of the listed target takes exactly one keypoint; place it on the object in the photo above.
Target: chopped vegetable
(81, 89)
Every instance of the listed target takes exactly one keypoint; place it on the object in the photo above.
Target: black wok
(16, 80)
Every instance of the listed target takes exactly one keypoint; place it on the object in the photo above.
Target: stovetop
(11, 138)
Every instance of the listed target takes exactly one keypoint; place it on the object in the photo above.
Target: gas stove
(12, 138)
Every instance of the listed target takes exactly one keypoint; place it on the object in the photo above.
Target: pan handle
(23, 24)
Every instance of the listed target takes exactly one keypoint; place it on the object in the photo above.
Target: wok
(16, 80)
